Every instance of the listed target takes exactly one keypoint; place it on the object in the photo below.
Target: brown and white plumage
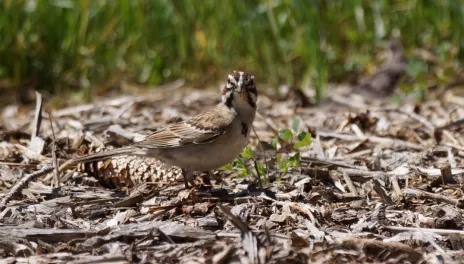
(206, 141)
(201, 129)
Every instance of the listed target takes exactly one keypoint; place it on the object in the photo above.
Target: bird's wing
(203, 128)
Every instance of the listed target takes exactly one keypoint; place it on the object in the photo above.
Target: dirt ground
(379, 183)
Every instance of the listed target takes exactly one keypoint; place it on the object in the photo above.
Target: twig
(451, 145)
(396, 186)
(387, 142)
(22, 183)
(56, 173)
(450, 136)
(234, 220)
(318, 147)
(433, 196)
(329, 163)
(37, 116)
(350, 184)
(355, 172)
(17, 164)
(343, 100)
(381, 192)
(223, 256)
(457, 122)
(36, 144)
(409, 114)
(249, 242)
(83, 108)
(30, 154)
(425, 230)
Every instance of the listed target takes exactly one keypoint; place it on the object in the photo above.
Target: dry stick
(348, 102)
(249, 241)
(451, 145)
(329, 163)
(56, 173)
(396, 186)
(356, 172)
(350, 184)
(38, 115)
(36, 144)
(457, 122)
(425, 230)
(412, 115)
(318, 147)
(236, 221)
(224, 255)
(381, 192)
(450, 136)
(433, 196)
(30, 154)
(22, 183)
(17, 164)
(388, 142)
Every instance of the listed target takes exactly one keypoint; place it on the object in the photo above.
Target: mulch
(381, 182)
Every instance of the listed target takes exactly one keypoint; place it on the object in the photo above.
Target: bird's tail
(98, 156)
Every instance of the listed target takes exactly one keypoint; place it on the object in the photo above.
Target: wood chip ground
(380, 183)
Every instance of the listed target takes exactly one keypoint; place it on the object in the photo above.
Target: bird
(385, 81)
(205, 142)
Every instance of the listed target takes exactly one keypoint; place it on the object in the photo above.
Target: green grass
(63, 45)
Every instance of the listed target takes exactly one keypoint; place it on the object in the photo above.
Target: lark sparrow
(206, 141)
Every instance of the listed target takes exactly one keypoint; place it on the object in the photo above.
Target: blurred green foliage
(63, 45)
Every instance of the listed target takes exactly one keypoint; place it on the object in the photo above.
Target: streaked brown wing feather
(200, 129)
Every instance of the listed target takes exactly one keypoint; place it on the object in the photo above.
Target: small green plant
(243, 170)
(287, 146)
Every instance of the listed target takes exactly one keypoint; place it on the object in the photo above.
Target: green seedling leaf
(274, 142)
(285, 134)
(295, 159)
(279, 157)
(238, 164)
(248, 153)
(304, 139)
(285, 165)
(226, 167)
(260, 168)
(295, 124)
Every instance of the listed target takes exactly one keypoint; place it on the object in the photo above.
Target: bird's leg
(184, 174)
(188, 178)
(206, 177)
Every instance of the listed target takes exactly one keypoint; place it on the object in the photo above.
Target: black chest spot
(244, 129)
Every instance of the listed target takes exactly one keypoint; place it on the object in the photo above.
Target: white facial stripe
(229, 85)
(240, 81)
(226, 95)
(232, 79)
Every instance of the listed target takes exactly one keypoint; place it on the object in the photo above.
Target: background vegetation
(85, 45)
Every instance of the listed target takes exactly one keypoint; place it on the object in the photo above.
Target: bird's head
(240, 90)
